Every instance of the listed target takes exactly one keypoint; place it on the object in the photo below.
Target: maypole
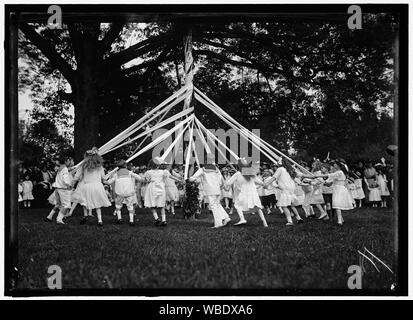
(189, 66)
(189, 77)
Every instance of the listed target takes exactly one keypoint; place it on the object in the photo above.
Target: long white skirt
(298, 200)
(94, 195)
(172, 193)
(247, 200)
(342, 198)
(152, 199)
(374, 195)
(77, 195)
(285, 198)
(359, 194)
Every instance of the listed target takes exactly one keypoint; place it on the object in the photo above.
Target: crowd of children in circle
(328, 186)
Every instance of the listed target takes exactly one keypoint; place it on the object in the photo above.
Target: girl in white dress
(226, 193)
(327, 191)
(384, 190)
(245, 195)
(172, 192)
(91, 175)
(374, 193)
(352, 189)
(53, 201)
(298, 199)
(359, 193)
(317, 194)
(286, 185)
(27, 192)
(138, 187)
(155, 193)
(259, 186)
(77, 198)
(342, 199)
(143, 184)
(268, 191)
(20, 190)
(308, 189)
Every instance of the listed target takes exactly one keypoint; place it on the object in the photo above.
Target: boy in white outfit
(62, 186)
(124, 191)
(212, 181)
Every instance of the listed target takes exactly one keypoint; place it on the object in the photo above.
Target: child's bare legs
(155, 214)
(323, 212)
(226, 203)
(99, 215)
(119, 213)
(306, 211)
(172, 204)
(163, 215)
(297, 215)
(339, 216)
(287, 215)
(262, 217)
(131, 216)
(312, 213)
(241, 218)
(85, 215)
(74, 204)
(52, 212)
(61, 215)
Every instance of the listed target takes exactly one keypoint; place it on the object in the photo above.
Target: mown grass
(189, 254)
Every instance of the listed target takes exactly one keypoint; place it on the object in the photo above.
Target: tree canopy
(310, 86)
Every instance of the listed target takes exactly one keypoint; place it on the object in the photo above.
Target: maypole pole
(189, 66)
(189, 77)
(191, 204)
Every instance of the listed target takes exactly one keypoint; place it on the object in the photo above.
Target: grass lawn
(189, 254)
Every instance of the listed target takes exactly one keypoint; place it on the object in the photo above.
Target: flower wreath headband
(92, 151)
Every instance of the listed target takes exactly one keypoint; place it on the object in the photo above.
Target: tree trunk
(86, 129)
(85, 91)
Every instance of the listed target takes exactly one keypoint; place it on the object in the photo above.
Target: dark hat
(392, 149)
(122, 163)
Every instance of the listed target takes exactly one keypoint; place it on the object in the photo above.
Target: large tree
(90, 60)
(300, 65)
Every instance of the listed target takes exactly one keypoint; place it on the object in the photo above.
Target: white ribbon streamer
(156, 127)
(160, 138)
(158, 107)
(115, 144)
(251, 133)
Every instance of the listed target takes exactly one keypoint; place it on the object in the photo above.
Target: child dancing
(124, 190)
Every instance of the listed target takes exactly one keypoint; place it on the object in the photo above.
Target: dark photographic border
(234, 12)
